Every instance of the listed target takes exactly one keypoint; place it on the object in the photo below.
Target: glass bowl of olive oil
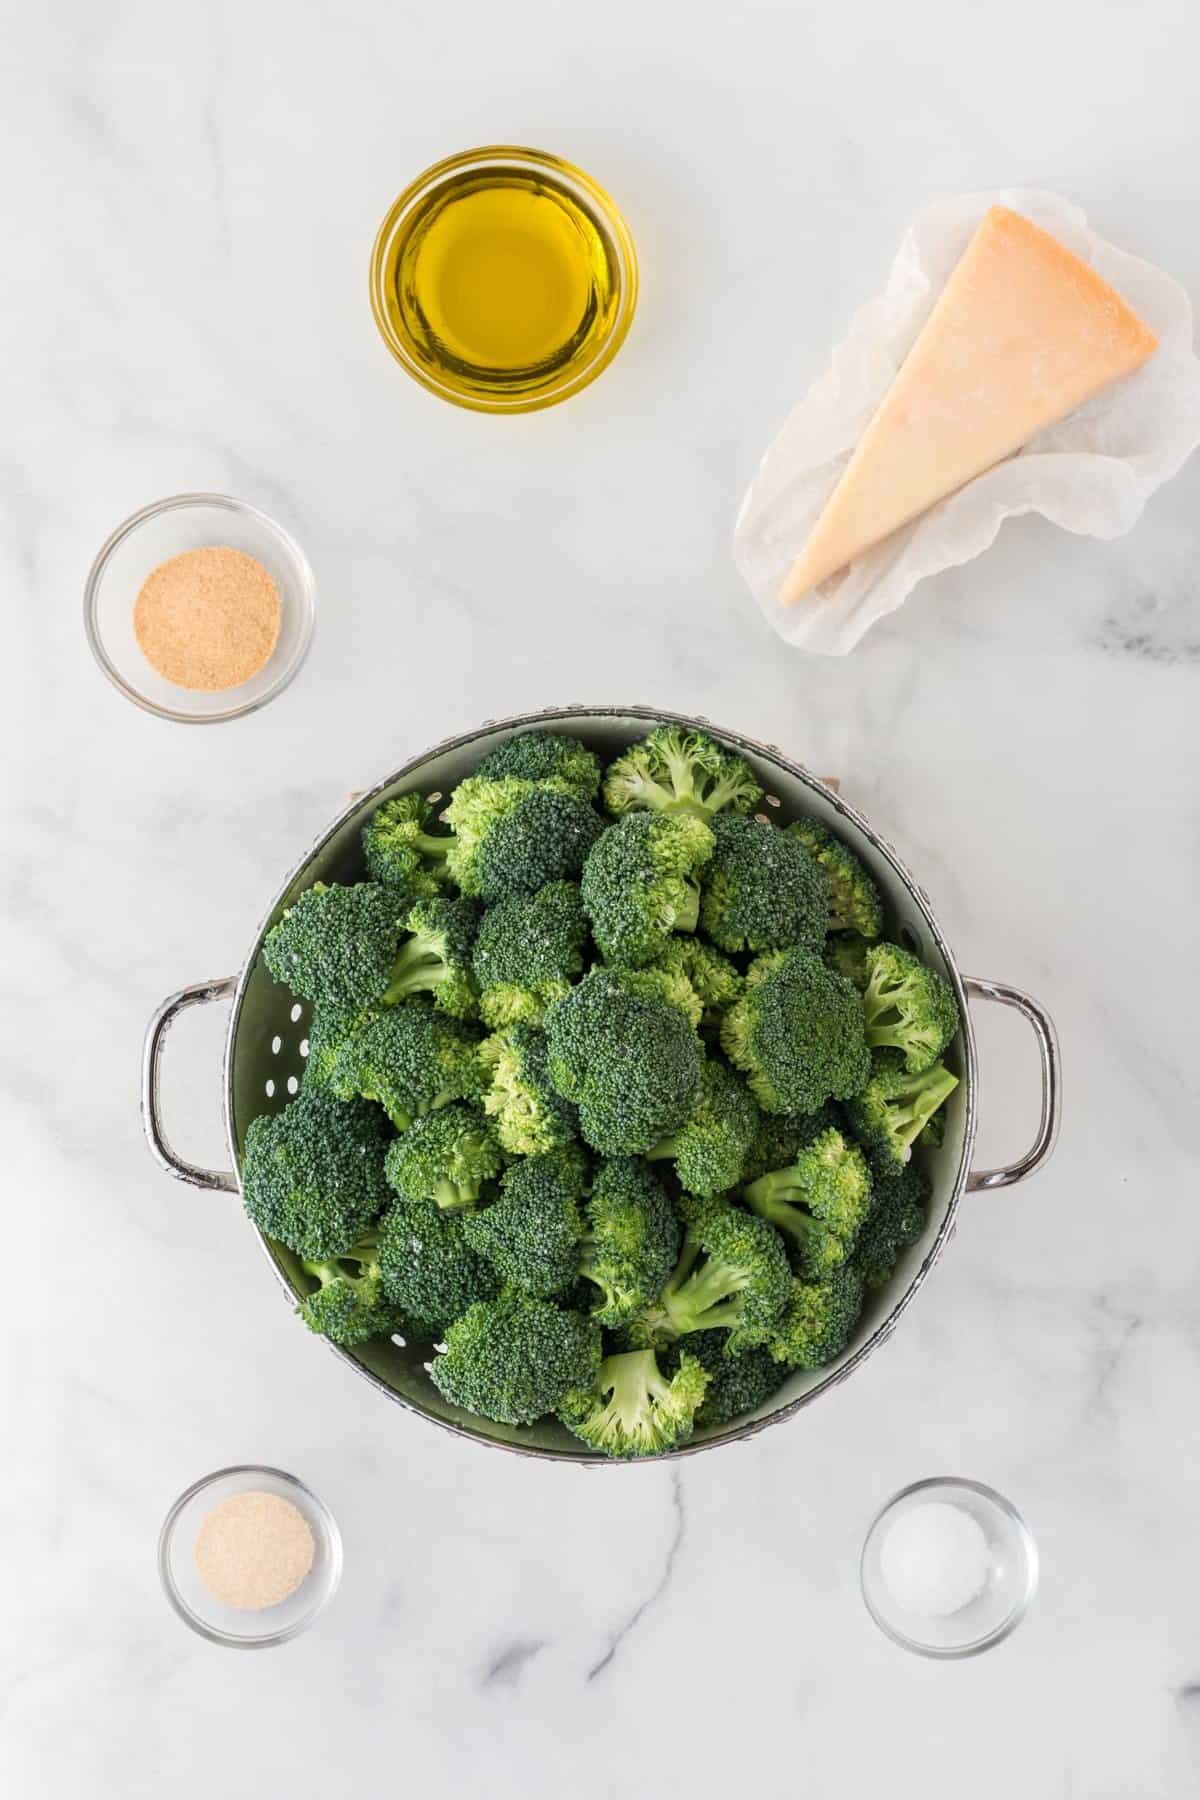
(503, 279)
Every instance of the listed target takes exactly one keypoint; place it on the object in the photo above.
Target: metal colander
(267, 1042)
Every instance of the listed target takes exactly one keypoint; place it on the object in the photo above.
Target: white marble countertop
(190, 202)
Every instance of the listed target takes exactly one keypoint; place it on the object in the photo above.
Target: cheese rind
(1021, 335)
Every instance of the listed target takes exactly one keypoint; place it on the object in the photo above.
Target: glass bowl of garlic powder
(200, 608)
(249, 1557)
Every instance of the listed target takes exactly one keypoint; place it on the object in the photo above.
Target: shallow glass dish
(1012, 1573)
(222, 1624)
(512, 389)
(165, 529)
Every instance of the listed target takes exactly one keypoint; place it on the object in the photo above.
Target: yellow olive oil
(507, 281)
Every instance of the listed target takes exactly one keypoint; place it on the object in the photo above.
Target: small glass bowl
(502, 395)
(1011, 1579)
(165, 529)
(212, 1618)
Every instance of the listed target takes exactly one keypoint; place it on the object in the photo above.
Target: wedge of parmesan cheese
(1021, 335)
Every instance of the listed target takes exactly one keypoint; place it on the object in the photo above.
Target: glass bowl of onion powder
(200, 608)
(949, 1568)
(249, 1557)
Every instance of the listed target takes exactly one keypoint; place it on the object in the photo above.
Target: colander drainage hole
(304, 1046)
(293, 1085)
(276, 1045)
(270, 1090)
(397, 1339)
(772, 800)
(296, 1011)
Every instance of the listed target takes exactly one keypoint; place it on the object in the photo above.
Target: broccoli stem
(704, 1298)
(419, 968)
(688, 917)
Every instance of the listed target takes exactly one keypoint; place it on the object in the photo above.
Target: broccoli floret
(761, 889)
(736, 1384)
(846, 952)
(677, 770)
(337, 943)
(894, 1107)
(667, 983)
(348, 1305)
(544, 756)
(436, 958)
(896, 1220)
(405, 846)
(633, 1409)
(797, 1032)
(513, 836)
(410, 1059)
(331, 1024)
(531, 1115)
(640, 883)
(854, 901)
(818, 1320)
(532, 1234)
(528, 951)
(710, 1148)
(907, 1007)
(428, 1269)
(933, 1132)
(312, 1175)
(447, 1157)
(631, 1063)
(781, 1137)
(714, 980)
(516, 1357)
(632, 1241)
(733, 1275)
(818, 1202)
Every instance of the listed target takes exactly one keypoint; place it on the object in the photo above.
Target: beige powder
(253, 1550)
(207, 619)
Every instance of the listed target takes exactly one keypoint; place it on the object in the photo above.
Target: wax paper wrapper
(1092, 473)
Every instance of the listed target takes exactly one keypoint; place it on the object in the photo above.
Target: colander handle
(1047, 1041)
(199, 994)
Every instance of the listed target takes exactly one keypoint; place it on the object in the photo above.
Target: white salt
(934, 1560)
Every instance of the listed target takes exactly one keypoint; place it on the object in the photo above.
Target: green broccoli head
(899, 1208)
(846, 953)
(513, 836)
(818, 1201)
(447, 1156)
(436, 958)
(515, 1358)
(531, 1115)
(629, 1061)
(331, 1024)
(337, 944)
(781, 1137)
(348, 1304)
(528, 951)
(797, 1033)
(428, 1269)
(907, 1007)
(818, 1319)
(854, 900)
(675, 769)
(632, 1241)
(544, 756)
(405, 846)
(761, 889)
(411, 1060)
(633, 1409)
(312, 1175)
(532, 1234)
(710, 1148)
(715, 981)
(895, 1107)
(737, 1385)
(640, 883)
(733, 1276)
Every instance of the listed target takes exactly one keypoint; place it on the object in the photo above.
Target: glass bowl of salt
(949, 1567)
